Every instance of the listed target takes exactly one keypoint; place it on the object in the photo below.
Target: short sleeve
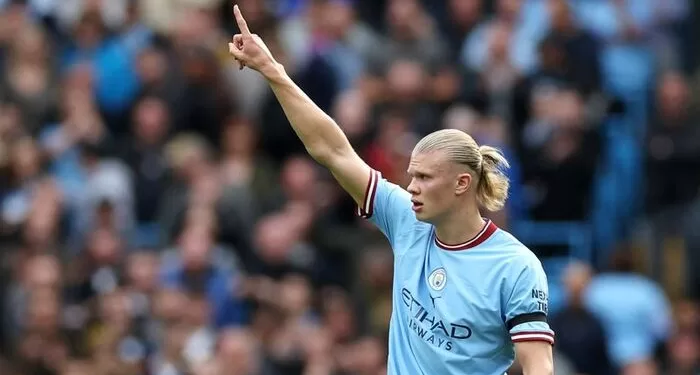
(527, 303)
(387, 206)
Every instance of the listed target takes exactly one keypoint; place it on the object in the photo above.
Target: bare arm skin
(323, 138)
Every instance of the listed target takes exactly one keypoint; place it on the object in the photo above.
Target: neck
(460, 227)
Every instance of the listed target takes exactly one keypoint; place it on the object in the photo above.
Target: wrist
(273, 72)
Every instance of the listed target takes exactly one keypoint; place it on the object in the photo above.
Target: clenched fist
(249, 50)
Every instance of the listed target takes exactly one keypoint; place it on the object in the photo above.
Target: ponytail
(492, 189)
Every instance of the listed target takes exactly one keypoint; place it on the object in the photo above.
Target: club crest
(437, 279)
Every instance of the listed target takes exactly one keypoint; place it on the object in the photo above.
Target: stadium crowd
(159, 216)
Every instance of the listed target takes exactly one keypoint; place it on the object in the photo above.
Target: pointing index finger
(242, 25)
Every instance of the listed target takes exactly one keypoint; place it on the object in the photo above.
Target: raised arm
(322, 137)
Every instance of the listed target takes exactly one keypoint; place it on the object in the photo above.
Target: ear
(464, 183)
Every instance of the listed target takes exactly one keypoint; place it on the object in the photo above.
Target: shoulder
(514, 252)
(517, 263)
(391, 188)
(386, 196)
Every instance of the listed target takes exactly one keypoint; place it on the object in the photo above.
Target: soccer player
(467, 297)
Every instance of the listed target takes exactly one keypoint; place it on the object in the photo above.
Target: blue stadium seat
(617, 197)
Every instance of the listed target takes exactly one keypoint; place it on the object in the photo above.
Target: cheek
(437, 194)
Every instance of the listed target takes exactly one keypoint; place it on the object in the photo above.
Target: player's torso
(447, 311)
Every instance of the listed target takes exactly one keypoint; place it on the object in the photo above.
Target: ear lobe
(464, 183)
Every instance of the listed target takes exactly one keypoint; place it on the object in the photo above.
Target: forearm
(321, 136)
(539, 369)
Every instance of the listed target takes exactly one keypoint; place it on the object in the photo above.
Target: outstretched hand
(248, 49)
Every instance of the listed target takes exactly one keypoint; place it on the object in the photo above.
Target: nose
(412, 187)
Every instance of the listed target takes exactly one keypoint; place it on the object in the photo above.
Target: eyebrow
(419, 171)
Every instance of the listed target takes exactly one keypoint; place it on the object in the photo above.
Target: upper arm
(535, 357)
(526, 318)
(386, 205)
(526, 303)
(352, 173)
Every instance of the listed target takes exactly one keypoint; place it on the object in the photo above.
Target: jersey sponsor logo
(430, 328)
(541, 299)
(437, 279)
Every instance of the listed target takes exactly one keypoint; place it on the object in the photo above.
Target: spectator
(29, 78)
(462, 18)
(248, 176)
(194, 270)
(413, 48)
(559, 157)
(351, 42)
(105, 181)
(205, 101)
(683, 354)
(280, 252)
(634, 312)
(110, 65)
(26, 173)
(240, 353)
(79, 122)
(673, 147)
(581, 50)
(14, 17)
(376, 288)
(569, 57)
(523, 26)
(144, 155)
(672, 151)
(581, 337)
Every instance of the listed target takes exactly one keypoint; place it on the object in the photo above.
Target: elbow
(548, 369)
(321, 154)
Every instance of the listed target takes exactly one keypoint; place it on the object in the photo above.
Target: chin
(421, 216)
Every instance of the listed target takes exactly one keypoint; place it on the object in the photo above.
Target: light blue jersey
(457, 309)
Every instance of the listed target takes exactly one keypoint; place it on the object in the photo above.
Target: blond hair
(486, 161)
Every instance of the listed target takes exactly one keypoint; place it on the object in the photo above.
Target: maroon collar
(485, 232)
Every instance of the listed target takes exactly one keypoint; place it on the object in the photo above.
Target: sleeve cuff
(367, 208)
(533, 336)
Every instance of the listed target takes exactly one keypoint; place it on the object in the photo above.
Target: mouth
(417, 206)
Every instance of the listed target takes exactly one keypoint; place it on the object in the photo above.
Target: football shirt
(457, 308)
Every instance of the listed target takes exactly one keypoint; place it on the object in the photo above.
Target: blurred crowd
(159, 216)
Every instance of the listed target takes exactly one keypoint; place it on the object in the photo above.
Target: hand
(249, 50)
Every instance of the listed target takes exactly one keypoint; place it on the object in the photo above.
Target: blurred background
(159, 216)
